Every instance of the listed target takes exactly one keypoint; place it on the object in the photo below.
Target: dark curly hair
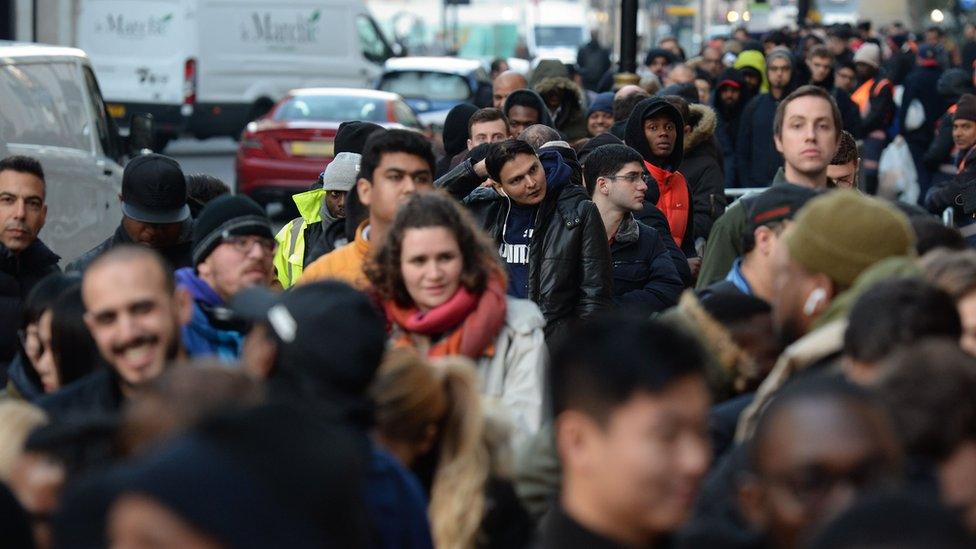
(846, 150)
(432, 209)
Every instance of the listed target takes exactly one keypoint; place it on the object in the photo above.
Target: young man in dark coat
(643, 276)
(24, 259)
(154, 213)
(729, 99)
(959, 192)
(550, 235)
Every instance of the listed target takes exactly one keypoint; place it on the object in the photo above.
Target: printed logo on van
(137, 29)
(268, 28)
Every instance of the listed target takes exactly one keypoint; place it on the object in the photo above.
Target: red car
(284, 151)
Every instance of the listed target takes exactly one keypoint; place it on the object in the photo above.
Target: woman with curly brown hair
(442, 288)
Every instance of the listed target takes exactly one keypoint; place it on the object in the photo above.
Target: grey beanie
(341, 173)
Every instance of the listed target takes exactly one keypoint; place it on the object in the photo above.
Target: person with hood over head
(564, 100)
(756, 156)
(953, 84)
(524, 108)
(730, 97)
(656, 131)
(918, 87)
(455, 135)
(752, 63)
(547, 68)
(701, 165)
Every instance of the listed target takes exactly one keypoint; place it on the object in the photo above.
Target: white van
(53, 111)
(207, 67)
(556, 30)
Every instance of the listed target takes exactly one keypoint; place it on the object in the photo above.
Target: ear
(184, 305)
(602, 186)
(778, 142)
(365, 190)
(752, 502)
(470, 145)
(575, 434)
(764, 239)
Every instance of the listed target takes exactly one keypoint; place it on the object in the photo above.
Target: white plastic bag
(897, 178)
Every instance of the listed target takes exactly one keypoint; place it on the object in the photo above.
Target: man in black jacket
(756, 158)
(154, 213)
(134, 311)
(959, 192)
(24, 259)
(643, 275)
(550, 235)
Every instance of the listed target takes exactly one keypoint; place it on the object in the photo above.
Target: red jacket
(675, 200)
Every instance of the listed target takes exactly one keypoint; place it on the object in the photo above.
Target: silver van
(51, 109)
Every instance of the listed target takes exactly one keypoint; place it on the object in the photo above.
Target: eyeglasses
(631, 177)
(244, 244)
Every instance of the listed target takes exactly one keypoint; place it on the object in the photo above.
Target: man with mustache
(24, 259)
(154, 212)
(134, 311)
(233, 248)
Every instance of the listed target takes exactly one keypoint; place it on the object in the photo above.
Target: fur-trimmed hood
(703, 122)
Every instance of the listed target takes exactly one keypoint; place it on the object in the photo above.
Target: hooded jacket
(754, 60)
(307, 237)
(531, 99)
(675, 197)
(18, 274)
(455, 134)
(569, 259)
(569, 117)
(727, 130)
(702, 168)
(212, 332)
(547, 68)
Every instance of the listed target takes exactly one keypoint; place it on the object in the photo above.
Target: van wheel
(260, 108)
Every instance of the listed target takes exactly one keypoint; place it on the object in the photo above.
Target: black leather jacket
(570, 274)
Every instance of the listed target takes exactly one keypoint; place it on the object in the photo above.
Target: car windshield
(43, 104)
(333, 108)
(434, 86)
(554, 37)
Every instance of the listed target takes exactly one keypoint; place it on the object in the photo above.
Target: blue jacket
(206, 335)
(643, 274)
(396, 504)
(756, 157)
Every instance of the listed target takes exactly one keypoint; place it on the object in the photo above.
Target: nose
(20, 210)
(409, 185)
(126, 328)
(641, 184)
(256, 250)
(695, 456)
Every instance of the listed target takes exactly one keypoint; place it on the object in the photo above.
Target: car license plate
(116, 111)
(312, 148)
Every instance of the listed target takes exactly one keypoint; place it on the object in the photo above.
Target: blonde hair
(412, 394)
(17, 420)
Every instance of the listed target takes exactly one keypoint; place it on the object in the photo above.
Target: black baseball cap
(777, 203)
(331, 338)
(154, 190)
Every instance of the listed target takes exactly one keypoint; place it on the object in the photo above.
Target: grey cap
(341, 173)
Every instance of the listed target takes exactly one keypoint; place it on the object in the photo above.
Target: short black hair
(605, 161)
(23, 164)
(496, 64)
(502, 153)
(392, 141)
(603, 362)
(929, 390)
(622, 107)
(931, 233)
(895, 313)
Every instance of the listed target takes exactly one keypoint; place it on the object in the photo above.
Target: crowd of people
(558, 334)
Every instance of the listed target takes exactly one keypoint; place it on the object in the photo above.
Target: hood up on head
(703, 122)
(531, 99)
(456, 128)
(635, 138)
(754, 60)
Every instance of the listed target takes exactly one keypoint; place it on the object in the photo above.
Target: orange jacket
(675, 201)
(345, 263)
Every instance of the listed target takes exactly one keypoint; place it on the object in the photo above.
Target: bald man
(504, 84)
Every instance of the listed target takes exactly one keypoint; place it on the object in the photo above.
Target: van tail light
(190, 81)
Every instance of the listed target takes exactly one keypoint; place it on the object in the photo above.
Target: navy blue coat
(920, 85)
(756, 156)
(643, 274)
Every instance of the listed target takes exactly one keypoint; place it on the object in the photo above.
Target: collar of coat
(628, 231)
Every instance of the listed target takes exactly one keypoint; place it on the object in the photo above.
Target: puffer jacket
(569, 118)
(569, 258)
(703, 170)
(644, 278)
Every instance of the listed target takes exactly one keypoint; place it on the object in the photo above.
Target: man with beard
(756, 156)
(835, 238)
(24, 259)
(233, 248)
(154, 212)
(134, 311)
(729, 100)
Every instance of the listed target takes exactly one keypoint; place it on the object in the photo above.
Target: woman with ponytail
(442, 287)
(430, 416)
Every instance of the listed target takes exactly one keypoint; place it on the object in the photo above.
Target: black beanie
(966, 108)
(228, 215)
(351, 136)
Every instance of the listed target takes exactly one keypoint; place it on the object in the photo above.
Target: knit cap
(603, 102)
(842, 233)
(226, 216)
(966, 108)
(869, 53)
(341, 173)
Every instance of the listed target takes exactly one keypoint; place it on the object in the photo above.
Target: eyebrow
(25, 197)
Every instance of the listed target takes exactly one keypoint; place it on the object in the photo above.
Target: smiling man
(134, 313)
(233, 249)
(24, 259)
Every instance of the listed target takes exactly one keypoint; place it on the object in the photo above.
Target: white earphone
(813, 301)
